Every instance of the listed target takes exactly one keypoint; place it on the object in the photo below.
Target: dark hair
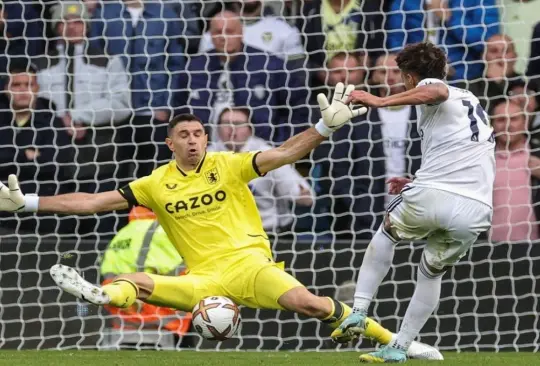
(21, 65)
(185, 117)
(17, 66)
(423, 59)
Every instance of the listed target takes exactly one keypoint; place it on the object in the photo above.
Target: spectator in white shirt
(276, 191)
(268, 33)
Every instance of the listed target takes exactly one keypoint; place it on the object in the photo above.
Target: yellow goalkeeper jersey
(208, 212)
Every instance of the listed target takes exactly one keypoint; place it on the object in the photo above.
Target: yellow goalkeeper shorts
(252, 280)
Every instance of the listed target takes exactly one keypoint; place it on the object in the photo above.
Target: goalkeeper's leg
(127, 288)
(276, 289)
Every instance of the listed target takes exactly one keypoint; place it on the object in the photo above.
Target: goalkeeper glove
(335, 115)
(12, 199)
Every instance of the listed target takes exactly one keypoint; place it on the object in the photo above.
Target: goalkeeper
(203, 202)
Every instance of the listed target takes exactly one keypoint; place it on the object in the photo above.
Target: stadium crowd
(89, 86)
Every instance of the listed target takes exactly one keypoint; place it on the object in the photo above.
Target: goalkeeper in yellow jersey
(203, 203)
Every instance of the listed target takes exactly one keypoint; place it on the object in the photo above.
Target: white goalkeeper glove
(12, 199)
(337, 114)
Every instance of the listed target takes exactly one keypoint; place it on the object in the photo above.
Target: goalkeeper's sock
(122, 293)
(423, 303)
(337, 315)
(375, 266)
(377, 332)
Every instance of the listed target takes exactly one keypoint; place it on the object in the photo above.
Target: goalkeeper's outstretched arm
(83, 203)
(13, 200)
(334, 116)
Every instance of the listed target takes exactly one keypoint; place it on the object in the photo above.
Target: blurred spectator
(148, 37)
(276, 191)
(513, 214)
(330, 27)
(267, 33)
(460, 26)
(525, 94)
(21, 32)
(518, 18)
(352, 167)
(343, 66)
(237, 74)
(398, 124)
(533, 69)
(33, 145)
(500, 60)
(189, 13)
(143, 246)
(91, 92)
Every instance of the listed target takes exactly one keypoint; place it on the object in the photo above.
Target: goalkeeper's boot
(70, 281)
(358, 324)
(385, 354)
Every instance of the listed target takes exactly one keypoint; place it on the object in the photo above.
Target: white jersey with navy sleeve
(458, 149)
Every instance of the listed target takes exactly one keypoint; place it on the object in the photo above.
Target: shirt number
(473, 113)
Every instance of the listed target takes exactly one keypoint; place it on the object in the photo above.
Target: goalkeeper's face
(188, 140)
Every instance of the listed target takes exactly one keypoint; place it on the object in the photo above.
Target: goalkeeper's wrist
(323, 129)
(31, 203)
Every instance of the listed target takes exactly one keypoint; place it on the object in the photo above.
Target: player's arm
(291, 151)
(425, 94)
(334, 116)
(13, 200)
(83, 203)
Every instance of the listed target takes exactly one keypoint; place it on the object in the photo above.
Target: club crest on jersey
(212, 176)
(267, 37)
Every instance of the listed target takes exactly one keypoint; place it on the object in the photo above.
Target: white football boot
(71, 282)
(422, 351)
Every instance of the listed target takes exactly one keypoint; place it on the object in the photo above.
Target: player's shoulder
(162, 172)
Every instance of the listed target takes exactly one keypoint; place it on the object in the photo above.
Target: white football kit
(450, 200)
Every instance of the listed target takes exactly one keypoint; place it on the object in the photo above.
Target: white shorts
(450, 222)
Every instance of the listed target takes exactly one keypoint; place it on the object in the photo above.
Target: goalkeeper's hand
(11, 199)
(337, 114)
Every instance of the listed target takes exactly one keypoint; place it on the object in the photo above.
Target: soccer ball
(216, 318)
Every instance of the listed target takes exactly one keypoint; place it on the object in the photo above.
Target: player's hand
(364, 98)
(396, 184)
(11, 199)
(338, 113)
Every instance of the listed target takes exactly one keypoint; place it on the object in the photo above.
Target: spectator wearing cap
(277, 191)
(21, 30)
(148, 36)
(91, 93)
(33, 146)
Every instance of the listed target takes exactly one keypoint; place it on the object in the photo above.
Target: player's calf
(125, 289)
(122, 292)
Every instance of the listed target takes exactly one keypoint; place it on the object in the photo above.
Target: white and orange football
(216, 318)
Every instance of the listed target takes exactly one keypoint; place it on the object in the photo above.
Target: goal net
(98, 124)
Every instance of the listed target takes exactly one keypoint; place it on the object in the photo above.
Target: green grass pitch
(166, 358)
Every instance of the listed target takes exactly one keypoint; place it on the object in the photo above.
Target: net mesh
(99, 123)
